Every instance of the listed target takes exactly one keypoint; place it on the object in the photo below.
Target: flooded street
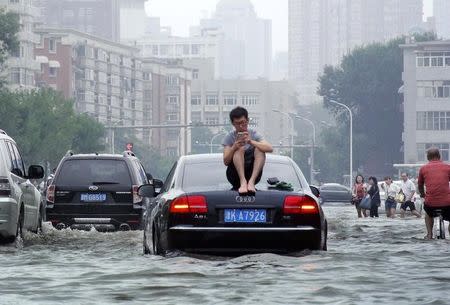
(369, 261)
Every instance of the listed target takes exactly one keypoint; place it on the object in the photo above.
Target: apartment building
(21, 65)
(426, 79)
(104, 78)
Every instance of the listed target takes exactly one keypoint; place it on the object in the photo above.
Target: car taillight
(300, 205)
(136, 197)
(51, 193)
(189, 204)
(5, 187)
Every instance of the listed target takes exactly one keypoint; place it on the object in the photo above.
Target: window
(212, 100)
(195, 74)
(172, 117)
(196, 100)
(433, 59)
(155, 50)
(172, 80)
(422, 148)
(164, 50)
(185, 49)
(195, 48)
(249, 100)
(146, 76)
(52, 45)
(229, 99)
(433, 89)
(196, 116)
(172, 99)
(15, 76)
(433, 120)
(52, 72)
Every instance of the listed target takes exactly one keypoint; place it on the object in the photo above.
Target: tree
(368, 81)
(9, 42)
(45, 125)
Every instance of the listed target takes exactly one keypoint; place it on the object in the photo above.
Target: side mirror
(35, 172)
(158, 184)
(315, 191)
(146, 190)
(17, 172)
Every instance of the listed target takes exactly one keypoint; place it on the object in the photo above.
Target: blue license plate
(245, 215)
(90, 197)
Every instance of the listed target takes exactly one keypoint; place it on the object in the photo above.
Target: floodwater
(368, 261)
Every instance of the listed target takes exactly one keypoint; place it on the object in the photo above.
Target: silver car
(20, 201)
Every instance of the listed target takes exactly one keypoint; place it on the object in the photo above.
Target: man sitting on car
(244, 153)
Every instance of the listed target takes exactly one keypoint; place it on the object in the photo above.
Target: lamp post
(212, 140)
(311, 175)
(113, 131)
(351, 138)
(292, 129)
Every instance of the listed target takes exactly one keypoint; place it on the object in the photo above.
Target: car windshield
(93, 172)
(211, 176)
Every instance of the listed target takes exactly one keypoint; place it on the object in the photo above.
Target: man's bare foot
(251, 187)
(243, 189)
(428, 237)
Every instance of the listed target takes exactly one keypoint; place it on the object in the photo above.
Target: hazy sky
(180, 14)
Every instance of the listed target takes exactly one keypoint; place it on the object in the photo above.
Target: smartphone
(240, 135)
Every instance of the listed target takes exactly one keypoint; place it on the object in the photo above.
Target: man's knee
(259, 153)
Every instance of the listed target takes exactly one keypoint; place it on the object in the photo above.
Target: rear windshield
(212, 176)
(93, 172)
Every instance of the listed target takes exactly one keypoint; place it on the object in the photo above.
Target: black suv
(97, 190)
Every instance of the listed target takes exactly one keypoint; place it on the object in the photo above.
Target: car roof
(97, 156)
(4, 136)
(202, 158)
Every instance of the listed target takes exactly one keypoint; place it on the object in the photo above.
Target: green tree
(45, 125)
(368, 80)
(9, 28)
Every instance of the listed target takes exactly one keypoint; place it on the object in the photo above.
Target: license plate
(89, 197)
(245, 215)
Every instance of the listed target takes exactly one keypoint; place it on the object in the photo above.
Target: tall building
(133, 20)
(21, 65)
(95, 17)
(441, 9)
(321, 32)
(104, 78)
(246, 47)
(426, 79)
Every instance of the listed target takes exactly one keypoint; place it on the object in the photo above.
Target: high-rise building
(246, 47)
(116, 20)
(21, 65)
(321, 32)
(95, 17)
(441, 9)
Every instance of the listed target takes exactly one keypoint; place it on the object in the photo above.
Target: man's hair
(433, 154)
(404, 173)
(238, 112)
(387, 178)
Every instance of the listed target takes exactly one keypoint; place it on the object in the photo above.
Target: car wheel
(39, 224)
(324, 237)
(148, 247)
(19, 229)
(156, 244)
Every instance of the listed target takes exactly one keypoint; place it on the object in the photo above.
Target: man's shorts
(431, 211)
(232, 174)
(408, 204)
(390, 204)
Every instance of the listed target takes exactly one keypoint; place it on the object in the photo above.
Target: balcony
(86, 62)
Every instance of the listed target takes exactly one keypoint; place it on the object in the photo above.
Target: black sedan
(334, 192)
(197, 211)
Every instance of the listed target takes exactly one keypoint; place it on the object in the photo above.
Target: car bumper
(105, 218)
(243, 239)
(8, 217)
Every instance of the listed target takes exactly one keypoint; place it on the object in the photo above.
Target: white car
(20, 201)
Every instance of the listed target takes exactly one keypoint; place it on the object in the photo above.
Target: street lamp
(311, 175)
(114, 124)
(212, 140)
(351, 138)
(292, 129)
